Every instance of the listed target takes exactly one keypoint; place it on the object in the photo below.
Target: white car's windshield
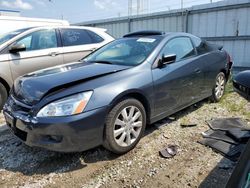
(7, 36)
(125, 51)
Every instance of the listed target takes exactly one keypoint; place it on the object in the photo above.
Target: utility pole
(182, 16)
(138, 6)
(128, 7)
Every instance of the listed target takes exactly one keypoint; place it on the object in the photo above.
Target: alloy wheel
(127, 126)
(220, 86)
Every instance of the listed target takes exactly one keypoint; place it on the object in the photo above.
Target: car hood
(243, 78)
(31, 88)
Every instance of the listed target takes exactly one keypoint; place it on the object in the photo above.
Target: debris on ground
(220, 139)
(188, 125)
(169, 151)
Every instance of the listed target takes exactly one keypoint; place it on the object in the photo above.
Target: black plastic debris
(225, 124)
(228, 150)
(188, 125)
(239, 135)
(227, 136)
(219, 135)
(168, 152)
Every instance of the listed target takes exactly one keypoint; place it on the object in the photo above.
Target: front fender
(5, 73)
(120, 85)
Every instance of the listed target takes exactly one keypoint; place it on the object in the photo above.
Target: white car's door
(77, 43)
(41, 52)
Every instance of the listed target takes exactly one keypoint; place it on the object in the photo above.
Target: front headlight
(67, 106)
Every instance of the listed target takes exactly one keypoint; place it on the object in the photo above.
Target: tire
(131, 127)
(3, 95)
(219, 87)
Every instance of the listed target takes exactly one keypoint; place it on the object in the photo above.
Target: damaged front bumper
(64, 134)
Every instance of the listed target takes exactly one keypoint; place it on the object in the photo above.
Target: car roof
(153, 33)
(70, 27)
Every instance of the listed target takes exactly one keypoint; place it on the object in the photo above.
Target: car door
(78, 43)
(177, 84)
(209, 60)
(41, 52)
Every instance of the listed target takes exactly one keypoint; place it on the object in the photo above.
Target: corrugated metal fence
(225, 22)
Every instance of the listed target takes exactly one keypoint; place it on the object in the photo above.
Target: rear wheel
(125, 125)
(3, 95)
(219, 88)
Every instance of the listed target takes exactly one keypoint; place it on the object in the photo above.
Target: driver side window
(39, 40)
(182, 47)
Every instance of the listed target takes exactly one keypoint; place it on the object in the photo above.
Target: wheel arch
(138, 95)
(227, 73)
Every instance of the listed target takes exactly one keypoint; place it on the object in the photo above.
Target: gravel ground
(193, 166)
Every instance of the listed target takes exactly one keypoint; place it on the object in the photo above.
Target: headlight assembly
(72, 105)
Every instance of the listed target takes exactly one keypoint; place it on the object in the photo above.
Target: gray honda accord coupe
(109, 97)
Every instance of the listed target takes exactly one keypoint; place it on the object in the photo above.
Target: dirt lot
(193, 166)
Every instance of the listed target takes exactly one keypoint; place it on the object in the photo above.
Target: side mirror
(167, 59)
(17, 48)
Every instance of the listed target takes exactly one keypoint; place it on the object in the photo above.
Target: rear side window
(200, 45)
(75, 37)
(95, 37)
(181, 46)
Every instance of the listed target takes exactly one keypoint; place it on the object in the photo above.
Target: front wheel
(219, 88)
(125, 125)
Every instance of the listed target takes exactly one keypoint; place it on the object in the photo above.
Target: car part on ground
(169, 152)
(30, 49)
(239, 134)
(188, 125)
(225, 124)
(150, 77)
(220, 139)
(228, 150)
(219, 135)
(241, 84)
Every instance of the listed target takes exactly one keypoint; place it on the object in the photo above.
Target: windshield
(7, 36)
(125, 51)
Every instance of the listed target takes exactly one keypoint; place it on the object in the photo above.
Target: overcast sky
(85, 10)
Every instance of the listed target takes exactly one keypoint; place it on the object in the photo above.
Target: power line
(150, 8)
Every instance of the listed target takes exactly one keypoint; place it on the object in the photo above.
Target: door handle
(197, 71)
(53, 54)
(93, 49)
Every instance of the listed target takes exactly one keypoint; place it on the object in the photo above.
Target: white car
(11, 23)
(30, 49)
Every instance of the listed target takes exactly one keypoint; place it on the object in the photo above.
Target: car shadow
(18, 157)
